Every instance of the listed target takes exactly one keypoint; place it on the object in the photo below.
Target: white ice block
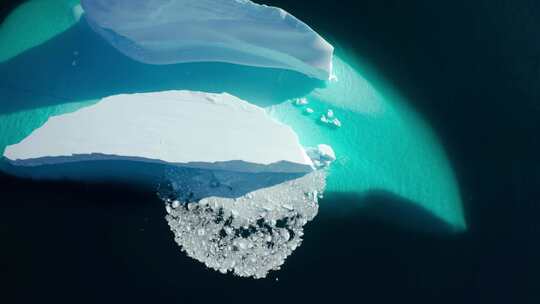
(232, 31)
(190, 129)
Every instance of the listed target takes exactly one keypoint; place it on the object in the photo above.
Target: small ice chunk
(309, 111)
(242, 244)
(330, 113)
(301, 102)
(324, 119)
(250, 244)
(337, 122)
(326, 152)
(322, 156)
(77, 12)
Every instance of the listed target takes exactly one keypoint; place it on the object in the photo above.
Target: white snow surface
(232, 31)
(174, 127)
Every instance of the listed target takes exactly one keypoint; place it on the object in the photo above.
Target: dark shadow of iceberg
(79, 65)
(196, 181)
(379, 205)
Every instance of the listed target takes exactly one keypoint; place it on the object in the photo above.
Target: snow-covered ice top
(176, 127)
(233, 31)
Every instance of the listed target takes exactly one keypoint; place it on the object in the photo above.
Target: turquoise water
(33, 23)
(382, 146)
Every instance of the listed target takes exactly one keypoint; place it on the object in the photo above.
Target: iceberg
(238, 187)
(232, 31)
(201, 131)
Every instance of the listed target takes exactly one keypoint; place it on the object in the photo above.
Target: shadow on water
(379, 205)
(79, 65)
(83, 231)
(373, 206)
(187, 182)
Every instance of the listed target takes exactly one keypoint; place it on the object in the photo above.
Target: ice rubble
(232, 31)
(251, 235)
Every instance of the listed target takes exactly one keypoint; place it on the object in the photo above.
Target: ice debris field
(239, 114)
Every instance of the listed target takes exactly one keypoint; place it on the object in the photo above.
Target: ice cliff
(232, 31)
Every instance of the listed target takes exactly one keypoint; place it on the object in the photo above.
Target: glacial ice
(192, 129)
(232, 31)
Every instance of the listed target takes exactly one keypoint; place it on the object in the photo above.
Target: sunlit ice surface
(382, 145)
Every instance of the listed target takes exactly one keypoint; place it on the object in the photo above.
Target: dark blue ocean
(472, 71)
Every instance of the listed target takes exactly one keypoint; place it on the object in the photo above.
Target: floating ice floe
(233, 31)
(330, 119)
(309, 111)
(301, 101)
(330, 114)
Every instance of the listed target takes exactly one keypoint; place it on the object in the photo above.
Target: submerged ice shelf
(233, 31)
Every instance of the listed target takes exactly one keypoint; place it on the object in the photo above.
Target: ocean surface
(464, 75)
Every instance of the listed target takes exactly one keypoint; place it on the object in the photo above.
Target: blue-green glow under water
(382, 146)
